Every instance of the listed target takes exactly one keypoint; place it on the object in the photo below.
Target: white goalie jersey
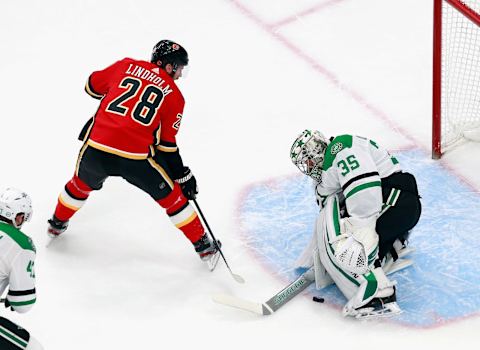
(355, 166)
(17, 259)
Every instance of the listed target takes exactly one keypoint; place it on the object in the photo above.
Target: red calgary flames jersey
(141, 107)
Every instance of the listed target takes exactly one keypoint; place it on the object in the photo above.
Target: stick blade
(238, 278)
(230, 300)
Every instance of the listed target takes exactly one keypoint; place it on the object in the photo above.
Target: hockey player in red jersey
(133, 135)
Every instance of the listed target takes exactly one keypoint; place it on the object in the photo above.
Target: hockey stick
(236, 277)
(275, 302)
(290, 291)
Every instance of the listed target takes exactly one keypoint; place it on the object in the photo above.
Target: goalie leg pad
(358, 289)
(326, 229)
(322, 278)
(375, 297)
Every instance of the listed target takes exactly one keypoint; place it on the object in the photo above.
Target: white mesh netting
(460, 75)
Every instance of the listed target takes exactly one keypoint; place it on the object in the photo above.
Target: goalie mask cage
(456, 73)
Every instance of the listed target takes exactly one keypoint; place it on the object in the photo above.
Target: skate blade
(405, 251)
(398, 265)
(388, 310)
(213, 261)
(50, 239)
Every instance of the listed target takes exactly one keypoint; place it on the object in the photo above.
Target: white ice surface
(122, 277)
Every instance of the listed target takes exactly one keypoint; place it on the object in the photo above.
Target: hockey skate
(378, 307)
(55, 228)
(394, 260)
(401, 248)
(208, 250)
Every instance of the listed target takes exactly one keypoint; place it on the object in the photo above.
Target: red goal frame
(437, 66)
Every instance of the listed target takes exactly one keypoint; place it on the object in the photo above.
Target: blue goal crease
(443, 284)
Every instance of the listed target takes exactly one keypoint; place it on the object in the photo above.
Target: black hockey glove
(188, 183)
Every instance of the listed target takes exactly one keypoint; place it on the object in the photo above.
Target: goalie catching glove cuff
(188, 183)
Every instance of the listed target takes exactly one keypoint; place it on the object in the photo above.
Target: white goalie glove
(357, 247)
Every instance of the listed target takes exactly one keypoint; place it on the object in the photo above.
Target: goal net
(456, 73)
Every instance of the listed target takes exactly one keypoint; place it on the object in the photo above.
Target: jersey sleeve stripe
(166, 146)
(359, 177)
(21, 292)
(22, 297)
(363, 187)
(22, 303)
(167, 149)
(89, 90)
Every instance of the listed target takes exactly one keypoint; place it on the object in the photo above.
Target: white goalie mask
(308, 153)
(14, 202)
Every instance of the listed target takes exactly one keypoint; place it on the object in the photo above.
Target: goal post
(456, 73)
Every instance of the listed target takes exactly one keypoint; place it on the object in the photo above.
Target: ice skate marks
(276, 220)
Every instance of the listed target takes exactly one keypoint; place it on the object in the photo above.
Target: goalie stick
(289, 292)
(275, 302)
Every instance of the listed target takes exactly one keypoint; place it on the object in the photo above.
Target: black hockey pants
(401, 211)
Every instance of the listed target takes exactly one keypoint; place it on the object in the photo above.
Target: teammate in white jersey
(17, 260)
(368, 207)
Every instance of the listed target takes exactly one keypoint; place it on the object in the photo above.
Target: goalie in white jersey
(17, 260)
(368, 207)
